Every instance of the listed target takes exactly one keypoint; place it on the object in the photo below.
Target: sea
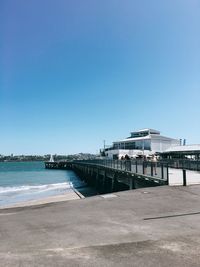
(28, 181)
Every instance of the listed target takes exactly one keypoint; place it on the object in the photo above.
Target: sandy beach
(73, 194)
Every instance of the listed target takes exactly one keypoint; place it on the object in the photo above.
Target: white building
(143, 142)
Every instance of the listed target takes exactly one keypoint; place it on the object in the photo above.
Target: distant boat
(51, 159)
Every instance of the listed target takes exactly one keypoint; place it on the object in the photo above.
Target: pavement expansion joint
(172, 216)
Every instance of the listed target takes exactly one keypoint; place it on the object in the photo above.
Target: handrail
(151, 169)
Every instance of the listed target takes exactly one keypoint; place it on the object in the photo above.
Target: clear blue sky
(73, 73)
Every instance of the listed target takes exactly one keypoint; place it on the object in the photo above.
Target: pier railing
(172, 172)
(186, 164)
(154, 169)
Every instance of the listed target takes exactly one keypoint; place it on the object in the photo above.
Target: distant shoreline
(30, 158)
(40, 160)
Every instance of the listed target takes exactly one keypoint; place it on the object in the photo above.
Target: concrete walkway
(157, 226)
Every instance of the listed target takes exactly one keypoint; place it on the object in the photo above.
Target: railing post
(151, 168)
(184, 177)
(143, 167)
(162, 171)
(130, 165)
(167, 173)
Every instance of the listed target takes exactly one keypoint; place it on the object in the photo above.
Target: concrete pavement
(157, 226)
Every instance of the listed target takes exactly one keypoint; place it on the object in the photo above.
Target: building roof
(186, 148)
(151, 131)
(156, 136)
(133, 139)
(147, 137)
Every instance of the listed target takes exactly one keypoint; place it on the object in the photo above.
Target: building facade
(142, 142)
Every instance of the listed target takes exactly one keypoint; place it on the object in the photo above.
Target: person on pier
(154, 162)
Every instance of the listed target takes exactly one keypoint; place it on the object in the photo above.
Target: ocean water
(26, 181)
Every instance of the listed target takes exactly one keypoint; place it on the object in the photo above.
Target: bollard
(184, 178)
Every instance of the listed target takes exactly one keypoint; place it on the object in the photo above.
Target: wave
(45, 187)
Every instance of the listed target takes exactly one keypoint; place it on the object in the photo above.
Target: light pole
(104, 144)
(143, 147)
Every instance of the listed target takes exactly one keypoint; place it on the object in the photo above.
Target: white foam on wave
(26, 188)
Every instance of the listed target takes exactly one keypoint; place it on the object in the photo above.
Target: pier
(116, 175)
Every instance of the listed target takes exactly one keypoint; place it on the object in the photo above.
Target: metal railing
(147, 168)
(187, 164)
